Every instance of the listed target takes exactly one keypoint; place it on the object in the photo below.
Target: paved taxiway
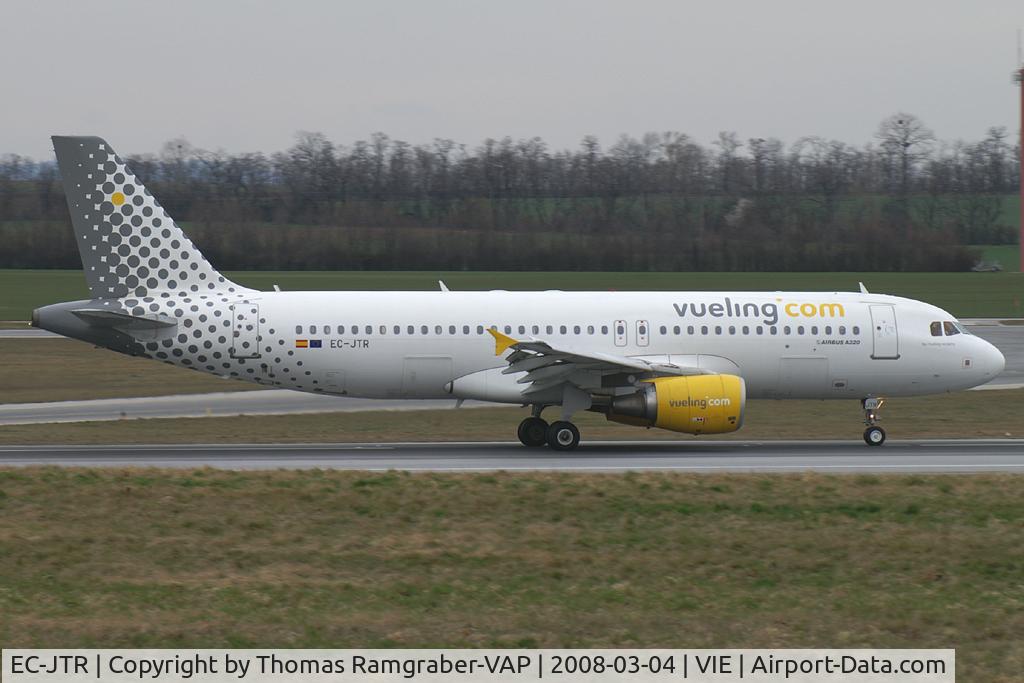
(217, 404)
(955, 455)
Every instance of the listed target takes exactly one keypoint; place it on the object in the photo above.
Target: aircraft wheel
(874, 436)
(563, 436)
(533, 432)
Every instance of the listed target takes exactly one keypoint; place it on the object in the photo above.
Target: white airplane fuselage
(796, 344)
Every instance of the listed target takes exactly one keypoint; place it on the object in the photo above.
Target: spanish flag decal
(302, 343)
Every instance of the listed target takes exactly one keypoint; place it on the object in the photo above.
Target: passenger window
(718, 329)
(312, 329)
(550, 329)
(950, 329)
(576, 329)
(828, 329)
(703, 329)
(746, 329)
(398, 329)
(787, 330)
(590, 329)
(563, 329)
(689, 330)
(369, 329)
(760, 330)
(327, 329)
(451, 329)
(604, 329)
(438, 330)
(536, 329)
(522, 329)
(423, 329)
(774, 331)
(411, 329)
(732, 329)
(676, 330)
(298, 329)
(663, 329)
(856, 330)
(800, 329)
(842, 330)
(479, 329)
(465, 329)
(814, 330)
(383, 329)
(936, 328)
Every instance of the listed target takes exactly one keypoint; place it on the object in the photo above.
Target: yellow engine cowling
(698, 404)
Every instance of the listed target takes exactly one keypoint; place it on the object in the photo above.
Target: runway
(217, 404)
(955, 455)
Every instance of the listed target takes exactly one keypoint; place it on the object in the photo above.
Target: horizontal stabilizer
(151, 327)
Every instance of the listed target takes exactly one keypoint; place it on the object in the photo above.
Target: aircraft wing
(547, 366)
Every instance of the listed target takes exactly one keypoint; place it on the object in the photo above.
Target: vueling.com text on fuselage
(768, 312)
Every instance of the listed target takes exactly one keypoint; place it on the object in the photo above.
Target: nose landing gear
(873, 435)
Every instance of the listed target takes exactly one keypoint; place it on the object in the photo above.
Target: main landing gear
(873, 435)
(560, 436)
(533, 432)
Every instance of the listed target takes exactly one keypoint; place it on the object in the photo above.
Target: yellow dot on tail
(117, 199)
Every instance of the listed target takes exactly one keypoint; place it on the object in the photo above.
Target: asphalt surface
(966, 455)
(1010, 340)
(28, 333)
(219, 404)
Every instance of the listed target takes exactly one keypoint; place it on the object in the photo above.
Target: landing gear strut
(873, 435)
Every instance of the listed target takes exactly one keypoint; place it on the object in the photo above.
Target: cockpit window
(936, 329)
(950, 328)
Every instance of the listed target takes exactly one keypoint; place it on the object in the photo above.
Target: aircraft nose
(995, 361)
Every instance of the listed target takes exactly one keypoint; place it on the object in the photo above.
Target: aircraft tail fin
(129, 245)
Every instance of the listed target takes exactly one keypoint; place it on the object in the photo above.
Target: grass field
(67, 370)
(150, 558)
(961, 415)
(963, 294)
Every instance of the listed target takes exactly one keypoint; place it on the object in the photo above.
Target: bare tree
(905, 140)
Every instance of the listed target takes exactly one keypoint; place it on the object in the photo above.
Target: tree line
(663, 201)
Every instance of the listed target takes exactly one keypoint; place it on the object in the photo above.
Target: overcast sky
(245, 76)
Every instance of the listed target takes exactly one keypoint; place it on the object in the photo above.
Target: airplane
(681, 361)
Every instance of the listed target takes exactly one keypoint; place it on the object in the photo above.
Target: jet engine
(697, 404)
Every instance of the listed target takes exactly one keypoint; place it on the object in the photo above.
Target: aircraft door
(246, 330)
(643, 330)
(620, 332)
(885, 336)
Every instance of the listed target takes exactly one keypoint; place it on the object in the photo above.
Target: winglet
(863, 289)
(502, 343)
(444, 287)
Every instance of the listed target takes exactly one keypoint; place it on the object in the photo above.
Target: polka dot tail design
(140, 266)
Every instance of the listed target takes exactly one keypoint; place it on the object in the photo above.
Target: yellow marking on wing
(502, 342)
